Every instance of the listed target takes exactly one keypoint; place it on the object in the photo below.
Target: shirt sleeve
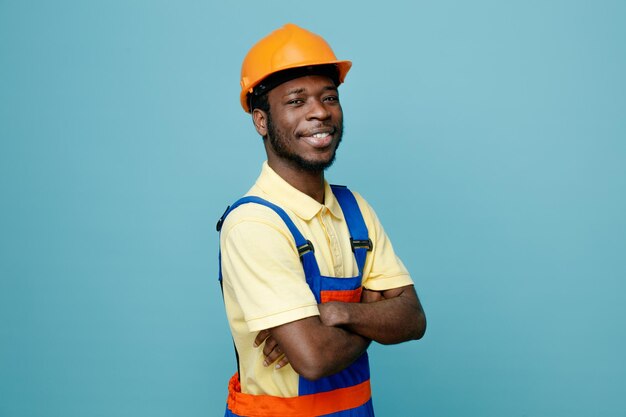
(384, 270)
(261, 265)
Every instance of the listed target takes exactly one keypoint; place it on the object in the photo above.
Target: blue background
(489, 136)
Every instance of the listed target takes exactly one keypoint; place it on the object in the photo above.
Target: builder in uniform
(308, 274)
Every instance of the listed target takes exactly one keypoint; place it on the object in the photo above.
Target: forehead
(310, 84)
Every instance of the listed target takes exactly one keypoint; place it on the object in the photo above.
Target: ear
(259, 118)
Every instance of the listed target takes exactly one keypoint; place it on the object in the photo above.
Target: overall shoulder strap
(359, 237)
(304, 246)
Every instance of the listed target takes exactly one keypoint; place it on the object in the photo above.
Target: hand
(369, 296)
(334, 313)
(271, 350)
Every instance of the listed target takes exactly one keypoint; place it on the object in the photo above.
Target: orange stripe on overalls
(310, 405)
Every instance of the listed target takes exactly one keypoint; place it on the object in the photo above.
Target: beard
(278, 140)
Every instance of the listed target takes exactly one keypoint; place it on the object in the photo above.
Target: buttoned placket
(333, 242)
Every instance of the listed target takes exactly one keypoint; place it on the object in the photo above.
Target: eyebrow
(302, 90)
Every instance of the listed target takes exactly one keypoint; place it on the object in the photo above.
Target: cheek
(290, 125)
(338, 113)
(291, 118)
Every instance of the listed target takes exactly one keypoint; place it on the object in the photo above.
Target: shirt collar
(291, 198)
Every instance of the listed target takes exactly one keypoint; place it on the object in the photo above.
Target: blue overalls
(346, 393)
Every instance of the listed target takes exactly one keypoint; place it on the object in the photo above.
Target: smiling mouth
(319, 140)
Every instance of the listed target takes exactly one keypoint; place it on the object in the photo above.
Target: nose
(318, 110)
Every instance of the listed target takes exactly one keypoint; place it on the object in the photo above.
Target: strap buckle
(306, 248)
(362, 244)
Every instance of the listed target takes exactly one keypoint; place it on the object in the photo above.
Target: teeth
(320, 135)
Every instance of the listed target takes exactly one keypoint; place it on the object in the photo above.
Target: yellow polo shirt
(264, 282)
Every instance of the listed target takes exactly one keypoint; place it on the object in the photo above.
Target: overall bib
(346, 393)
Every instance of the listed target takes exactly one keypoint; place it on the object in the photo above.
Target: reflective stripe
(311, 405)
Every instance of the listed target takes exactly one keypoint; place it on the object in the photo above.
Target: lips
(318, 139)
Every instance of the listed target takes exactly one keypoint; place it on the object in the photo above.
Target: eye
(331, 99)
(295, 101)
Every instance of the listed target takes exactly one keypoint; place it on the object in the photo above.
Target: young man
(309, 276)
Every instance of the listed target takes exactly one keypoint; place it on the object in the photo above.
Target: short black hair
(260, 102)
(258, 98)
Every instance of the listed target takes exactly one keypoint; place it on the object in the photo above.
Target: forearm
(389, 320)
(335, 350)
(316, 350)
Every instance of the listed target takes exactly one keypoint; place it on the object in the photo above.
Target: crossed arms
(322, 345)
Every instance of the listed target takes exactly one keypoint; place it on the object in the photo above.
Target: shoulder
(370, 217)
(254, 219)
(366, 209)
(360, 200)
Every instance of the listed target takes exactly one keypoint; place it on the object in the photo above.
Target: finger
(272, 356)
(260, 338)
(369, 296)
(269, 346)
(284, 361)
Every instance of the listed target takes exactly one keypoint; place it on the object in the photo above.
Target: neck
(310, 183)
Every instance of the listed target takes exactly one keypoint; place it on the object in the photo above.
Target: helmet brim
(343, 67)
